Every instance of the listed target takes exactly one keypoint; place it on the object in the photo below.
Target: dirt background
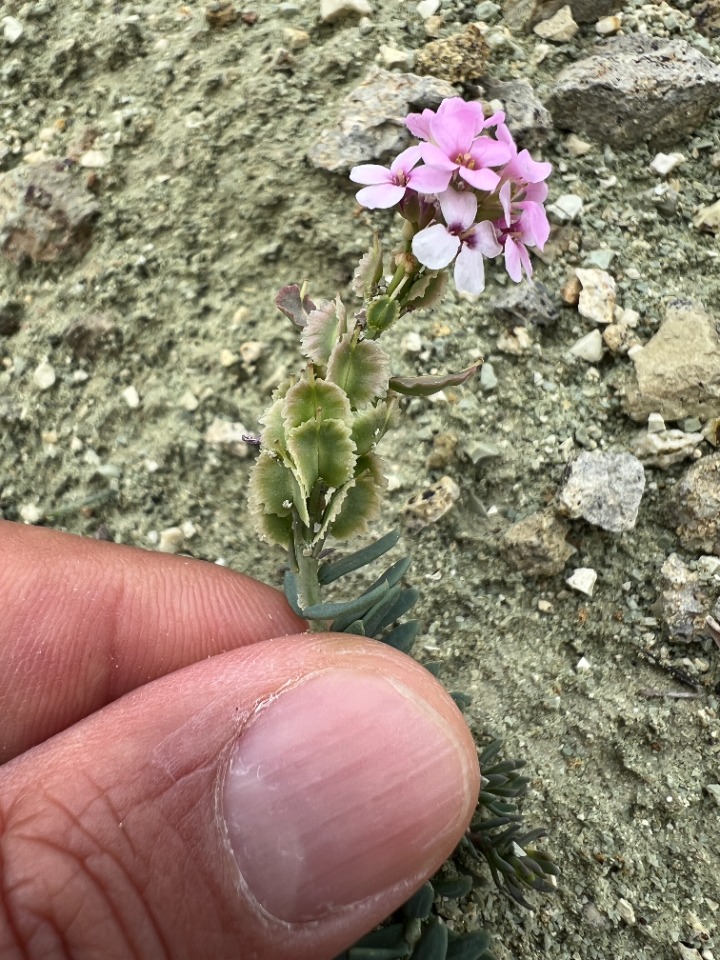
(207, 205)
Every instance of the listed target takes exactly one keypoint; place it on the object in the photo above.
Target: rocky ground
(165, 168)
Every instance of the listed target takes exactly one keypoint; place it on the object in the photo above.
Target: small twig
(676, 672)
(714, 628)
(672, 694)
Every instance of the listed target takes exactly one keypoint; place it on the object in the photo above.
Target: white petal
(435, 247)
(469, 271)
(458, 208)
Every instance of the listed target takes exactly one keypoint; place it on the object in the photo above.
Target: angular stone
(560, 28)
(529, 120)
(636, 88)
(677, 373)
(603, 488)
(46, 213)
(528, 303)
(331, 10)
(371, 125)
(664, 448)
(537, 544)
(697, 507)
(460, 58)
(597, 297)
(686, 600)
(524, 14)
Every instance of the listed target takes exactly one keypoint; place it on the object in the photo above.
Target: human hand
(188, 777)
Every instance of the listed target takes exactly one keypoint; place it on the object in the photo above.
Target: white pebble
(171, 540)
(92, 159)
(583, 580)
(589, 347)
(44, 375)
(655, 423)
(428, 8)
(131, 397)
(412, 342)
(559, 28)
(335, 9)
(663, 163)
(394, 57)
(189, 402)
(626, 911)
(582, 664)
(607, 26)
(566, 207)
(30, 513)
(12, 29)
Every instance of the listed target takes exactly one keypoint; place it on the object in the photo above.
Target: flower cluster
(474, 196)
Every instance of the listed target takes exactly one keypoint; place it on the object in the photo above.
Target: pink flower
(452, 142)
(522, 176)
(529, 229)
(461, 238)
(388, 187)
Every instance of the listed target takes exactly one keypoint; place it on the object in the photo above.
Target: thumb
(273, 803)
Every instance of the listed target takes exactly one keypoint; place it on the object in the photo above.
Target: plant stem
(306, 564)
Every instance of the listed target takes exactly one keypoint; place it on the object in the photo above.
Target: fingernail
(340, 788)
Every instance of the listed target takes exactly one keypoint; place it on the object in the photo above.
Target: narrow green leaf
(403, 636)
(395, 572)
(380, 616)
(463, 700)
(331, 571)
(379, 953)
(388, 936)
(427, 386)
(433, 944)
(402, 602)
(291, 591)
(454, 888)
(471, 946)
(344, 609)
(420, 903)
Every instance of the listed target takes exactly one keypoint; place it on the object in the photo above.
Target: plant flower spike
(465, 195)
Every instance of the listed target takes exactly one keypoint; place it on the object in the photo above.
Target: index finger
(83, 622)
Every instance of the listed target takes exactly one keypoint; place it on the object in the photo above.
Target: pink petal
(504, 136)
(505, 197)
(454, 131)
(512, 260)
(405, 161)
(537, 192)
(480, 179)
(459, 209)
(526, 261)
(470, 112)
(532, 171)
(429, 180)
(419, 124)
(469, 272)
(534, 224)
(484, 240)
(434, 157)
(435, 247)
(489, 153)
(380, 197)
(495, 121)
(370, 173)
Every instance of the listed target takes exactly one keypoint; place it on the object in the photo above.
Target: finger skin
(82, 622)
(113, 845)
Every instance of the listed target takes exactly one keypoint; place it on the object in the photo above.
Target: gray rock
(530, 304)
(537, 544)
(664, 448)
(686, 600)
(371, 123)
(46, 213)
(677, 373)
(603, 488)
(636, 88)
(529, 120)
(697, 507)
(524, 14)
